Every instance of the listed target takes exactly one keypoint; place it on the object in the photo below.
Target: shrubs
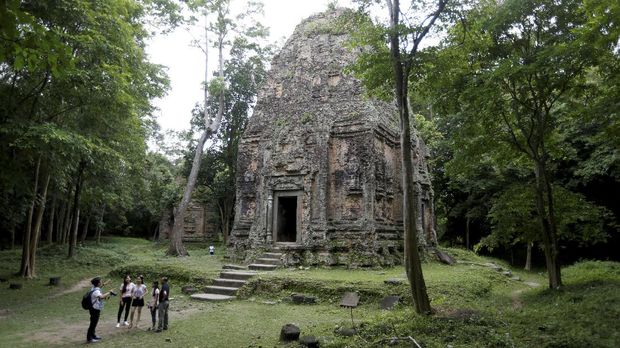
(176, 273)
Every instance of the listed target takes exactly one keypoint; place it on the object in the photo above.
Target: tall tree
(244, 71)
(243, 27)
(404, 38)
(221, 28)
(520, 62)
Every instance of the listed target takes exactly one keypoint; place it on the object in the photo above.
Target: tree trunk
(34, 241)
(85, 228)
(12, 226)
(68, 224)
(24, 269)
(528, 257)
(176, 247)
(67, 219)
(467, 233)
(12, 233)
(224, 219)
(99, 227)
(60, 222)
(555, 249)
(548, 238)
(155, 231)
(412, 257)
(76, 210)
(50, 222)
(227, 219)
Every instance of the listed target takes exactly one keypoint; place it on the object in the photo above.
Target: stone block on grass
(289, 332)
(309, 341)
(188, 290)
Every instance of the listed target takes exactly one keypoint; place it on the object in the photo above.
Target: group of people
(131, 300)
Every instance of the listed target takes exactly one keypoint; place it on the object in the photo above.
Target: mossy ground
(475, 305)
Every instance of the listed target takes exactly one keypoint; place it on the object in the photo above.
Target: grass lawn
(475, 305)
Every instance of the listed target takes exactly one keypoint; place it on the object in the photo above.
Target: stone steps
(234, 277)
(225, 287)
(212, 297)
(269, 261)
(265, 261)
(221, 290)
(231, 283)
(262, 267)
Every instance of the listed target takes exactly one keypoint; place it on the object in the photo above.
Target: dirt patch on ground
(81, 285)
(515, 297)
(75, 334)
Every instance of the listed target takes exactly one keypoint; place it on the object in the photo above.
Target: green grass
(475, 305)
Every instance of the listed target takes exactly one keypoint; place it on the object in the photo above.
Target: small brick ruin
(319, 170)
(200, 223)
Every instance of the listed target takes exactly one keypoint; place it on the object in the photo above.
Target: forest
(517, 100)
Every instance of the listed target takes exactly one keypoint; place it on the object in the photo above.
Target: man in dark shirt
(162, 308)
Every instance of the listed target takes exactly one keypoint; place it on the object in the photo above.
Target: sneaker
(93, 340)
(158, 330)
(118, 324)
(125, 323)
(98, 338)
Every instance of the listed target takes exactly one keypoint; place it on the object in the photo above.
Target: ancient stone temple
(319, 171)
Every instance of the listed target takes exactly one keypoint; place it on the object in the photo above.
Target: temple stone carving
(319, 170)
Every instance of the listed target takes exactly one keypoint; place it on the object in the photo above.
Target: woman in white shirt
(153, 303)
(125, 301)
(139, 290)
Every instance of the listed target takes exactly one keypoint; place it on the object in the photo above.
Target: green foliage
(373, 66)
(76, 91)
(515, 84)
(513, 215)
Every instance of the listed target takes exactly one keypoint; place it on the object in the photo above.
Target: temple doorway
(286, 218)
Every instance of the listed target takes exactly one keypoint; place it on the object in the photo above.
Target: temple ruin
(319, 170)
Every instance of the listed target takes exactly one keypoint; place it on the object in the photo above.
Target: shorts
(138, 302)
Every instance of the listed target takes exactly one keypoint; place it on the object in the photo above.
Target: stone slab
(231, 283)
(237, 275)
(272, 255)
(212, 297)
(262, 267)
(268, 261)
(389, 302)
(221, 290)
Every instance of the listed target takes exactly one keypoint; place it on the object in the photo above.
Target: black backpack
(87, 302)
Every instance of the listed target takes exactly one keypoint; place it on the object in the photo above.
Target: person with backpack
(153, 304)
(137, 294)
(125, 301)
(93, 301)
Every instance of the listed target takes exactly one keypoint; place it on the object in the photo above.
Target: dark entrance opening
(287, 219)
